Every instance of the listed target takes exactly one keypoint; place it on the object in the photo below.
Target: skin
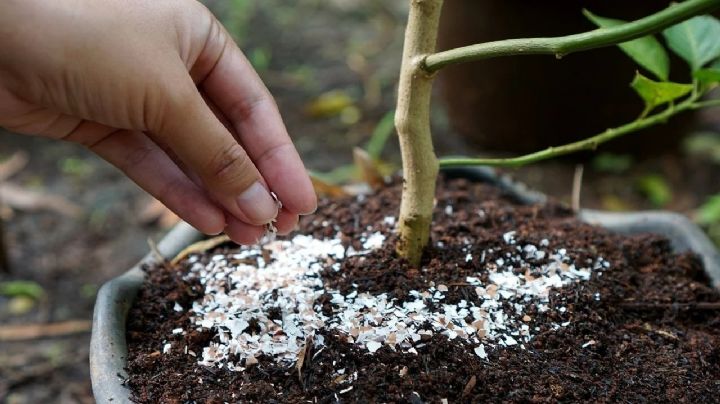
(159, 89)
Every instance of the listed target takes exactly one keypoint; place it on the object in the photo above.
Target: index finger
(237, 90)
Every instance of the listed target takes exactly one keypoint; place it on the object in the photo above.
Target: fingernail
(257, 204)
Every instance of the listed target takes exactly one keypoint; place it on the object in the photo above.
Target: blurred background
(70, 221)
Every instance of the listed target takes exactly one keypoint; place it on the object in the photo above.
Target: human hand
(159, 89)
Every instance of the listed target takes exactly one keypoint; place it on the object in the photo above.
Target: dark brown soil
(654, 336)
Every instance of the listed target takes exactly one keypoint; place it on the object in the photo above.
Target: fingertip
(297, 196)
(257, 205)
(308, 202)
(286, 222)
(243, 233)
(311, 204)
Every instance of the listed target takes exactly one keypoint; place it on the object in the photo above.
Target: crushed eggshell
(276, 288)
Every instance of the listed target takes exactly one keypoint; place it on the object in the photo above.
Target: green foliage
(656, 93)
(374, 148)
(704, 144)
(76, 167)
(260, 58)
(237, 15)
(330, 104)
(612, 163)
(695, 40)
(655, 189)
(707, 76)
(709, 212)
(20, 305)
(380, 135)
(339, 175)
(21, 288)
(647, 51)
(89, 290)
(708, 215)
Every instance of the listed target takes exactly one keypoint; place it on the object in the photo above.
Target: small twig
(590, 143)
(647, 327)
(469, 386)
(645, 306)
(577, 187)
(200, 247)
(458, 284)
(25, 332)
(707, 104)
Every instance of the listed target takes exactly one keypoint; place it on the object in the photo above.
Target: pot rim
(108, 348)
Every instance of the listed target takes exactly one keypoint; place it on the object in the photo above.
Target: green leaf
(339, 175)
(713, 231)
(21, 288)
(656, 93)
(703, 145)
(655, 189)
(76, 167)
(707, 76)
(612, 163)
(329, 104)
(646, 51)
(696, 40)
(380, 135)
(709, 212)
(260, 58)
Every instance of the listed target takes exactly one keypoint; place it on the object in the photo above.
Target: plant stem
(561, 46)
(412, 121)
(707, 104)
(590, 143)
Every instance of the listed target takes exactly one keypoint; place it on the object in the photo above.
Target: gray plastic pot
(108, 347)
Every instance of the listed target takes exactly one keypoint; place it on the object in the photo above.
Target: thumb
(187, 125)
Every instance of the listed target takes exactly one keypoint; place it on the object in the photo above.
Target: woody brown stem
(412, 121)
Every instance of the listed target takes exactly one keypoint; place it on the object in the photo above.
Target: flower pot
(108, 346)
(526, 103)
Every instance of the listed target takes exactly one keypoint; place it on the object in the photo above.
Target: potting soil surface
(512, 302)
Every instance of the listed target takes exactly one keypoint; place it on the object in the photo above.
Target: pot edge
(107, 342)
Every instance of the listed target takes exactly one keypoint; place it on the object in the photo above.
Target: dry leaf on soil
(200, 246)
(367, 168)
(324, 188)
(302, 354)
